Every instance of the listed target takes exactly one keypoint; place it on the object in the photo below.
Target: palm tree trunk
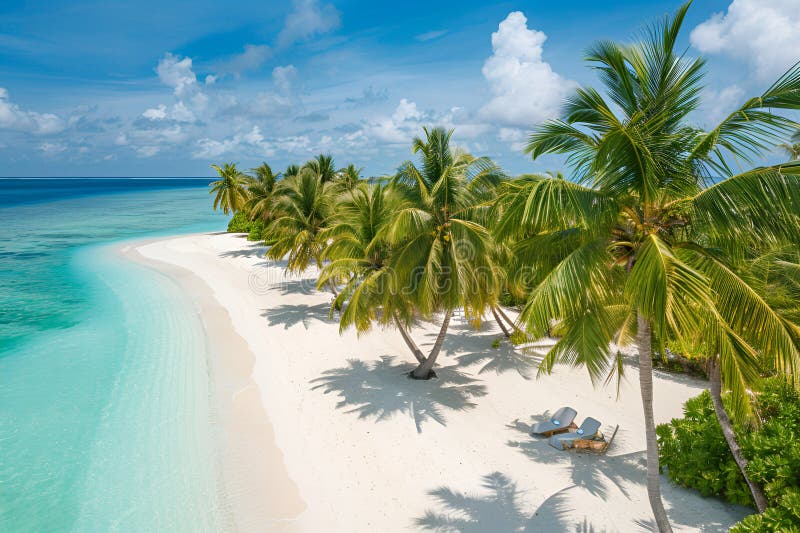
(505, 317)
(500, 322)
(423, 371)
(644, 346)
(409, 341)
(730, 436)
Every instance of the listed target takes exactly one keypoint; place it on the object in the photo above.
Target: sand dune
(341, 440)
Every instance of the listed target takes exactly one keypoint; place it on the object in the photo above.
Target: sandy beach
(324, 432)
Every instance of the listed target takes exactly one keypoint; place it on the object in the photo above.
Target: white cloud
(212, 149)
(177, 73)
(407, 121)
(764, 33)
(251, 58)
(15, 118)
(147, 151)
(284, 78)
(525, 88)
(52, 148)
(156, 113)
(514, 137)
(719, 104)
(306, 19)
(211, 79)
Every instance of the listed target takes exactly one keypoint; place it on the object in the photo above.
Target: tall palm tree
(322, 166)
(302, 211)
(230, 189)
(359, 254)
(792, 148)
(261, 189)
(442, 259)
(640, 247)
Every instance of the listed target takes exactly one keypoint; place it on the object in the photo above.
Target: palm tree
(792, 149)
(442, 259)
(359, 254)
(322, 166)
(348, 178)
(261, 189)
(302, 211)
(640, 247)
(291, 171)
(230, 189)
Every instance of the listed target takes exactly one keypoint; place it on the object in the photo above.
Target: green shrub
(695, 454)
(256, 229)
(496, 343)
(239, 223)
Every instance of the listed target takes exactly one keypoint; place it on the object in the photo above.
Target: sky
(106, 88)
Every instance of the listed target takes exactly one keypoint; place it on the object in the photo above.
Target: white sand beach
(325, 432)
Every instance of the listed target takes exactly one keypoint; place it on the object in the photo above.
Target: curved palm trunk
(644, 346)
(423, 371)
(730, 436)
(507, 319)
(409, 341)
(500, 322)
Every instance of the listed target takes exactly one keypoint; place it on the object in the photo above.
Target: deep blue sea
(105, 404)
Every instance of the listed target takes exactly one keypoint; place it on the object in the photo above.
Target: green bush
(256, 228)
(239, 223)
(695, 454)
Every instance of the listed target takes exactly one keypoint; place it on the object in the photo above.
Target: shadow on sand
(382, 389)
(500, 509)
(289, 315)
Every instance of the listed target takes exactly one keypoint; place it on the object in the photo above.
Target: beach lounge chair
(588, 430)
(560, 422)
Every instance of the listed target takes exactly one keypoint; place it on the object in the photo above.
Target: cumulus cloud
(525, 88)
(282, 101)
(211, 149)
(156, 113)
(407, 121)
(177, 73)
(514, 137)
(761, 32)
(15, 118)
(719, 104)
(306, 19)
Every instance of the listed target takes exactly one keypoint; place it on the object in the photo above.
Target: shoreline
(358, 447)
(257, 486)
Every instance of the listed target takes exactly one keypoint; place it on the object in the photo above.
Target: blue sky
(166, 88)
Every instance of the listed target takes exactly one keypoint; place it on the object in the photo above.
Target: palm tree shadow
(382, 389)
(292, 314)
(505, 358)
(595, 473)
(304, 286)
(250, 251)
(499, 509)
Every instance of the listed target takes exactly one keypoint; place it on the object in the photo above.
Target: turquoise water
(105, 406)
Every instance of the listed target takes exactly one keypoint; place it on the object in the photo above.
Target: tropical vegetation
(657, 240)
(695, 453)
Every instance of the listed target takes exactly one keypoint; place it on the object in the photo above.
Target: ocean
(105, 404)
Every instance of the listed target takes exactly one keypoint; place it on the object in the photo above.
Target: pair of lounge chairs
(559, 427)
